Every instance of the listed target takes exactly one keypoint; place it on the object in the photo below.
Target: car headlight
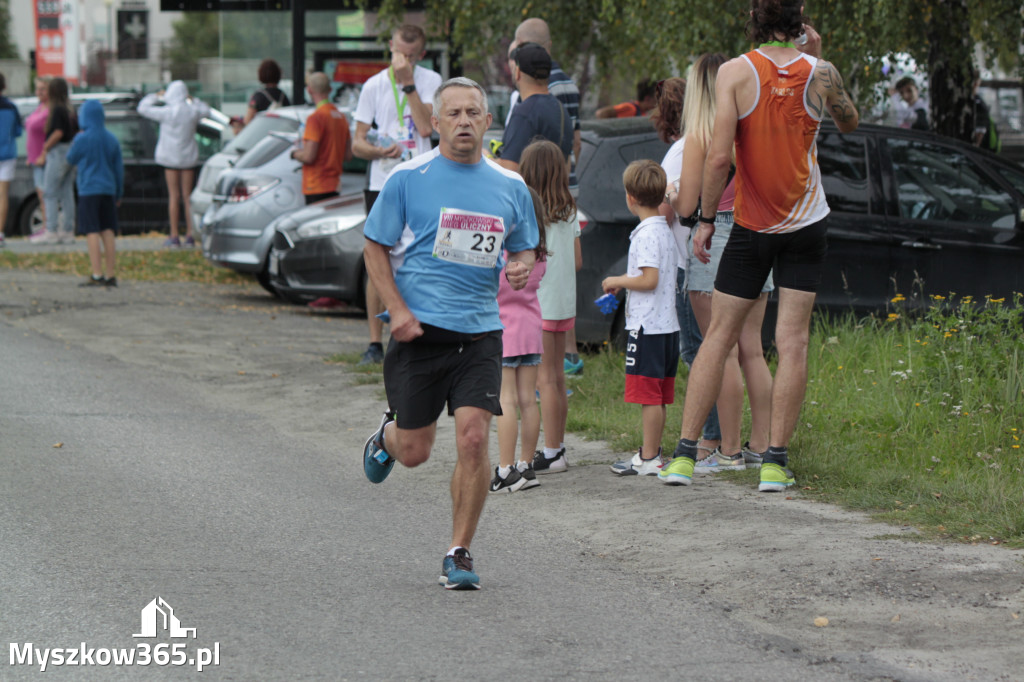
(324, 227)
(244, 189)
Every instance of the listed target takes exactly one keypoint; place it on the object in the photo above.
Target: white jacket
(176, 147)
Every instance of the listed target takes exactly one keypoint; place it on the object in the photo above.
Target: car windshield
(258, 128)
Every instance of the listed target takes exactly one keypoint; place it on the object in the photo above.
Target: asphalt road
(189, 443)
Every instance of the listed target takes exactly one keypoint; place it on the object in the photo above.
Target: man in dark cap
(539, 113)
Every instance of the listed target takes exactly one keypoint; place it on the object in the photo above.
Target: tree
(8, 50)
(658, 38)
(232, 35)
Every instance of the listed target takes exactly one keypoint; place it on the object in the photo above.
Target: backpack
(274, 103)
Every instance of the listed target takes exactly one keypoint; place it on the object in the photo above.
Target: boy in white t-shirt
(652, 351)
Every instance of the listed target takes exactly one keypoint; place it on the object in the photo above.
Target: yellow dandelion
(917, 404)
(898, 298)
(936, 297)
(894, 316)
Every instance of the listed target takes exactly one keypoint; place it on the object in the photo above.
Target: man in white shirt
(398, 101)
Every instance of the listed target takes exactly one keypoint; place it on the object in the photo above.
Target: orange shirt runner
(778, 182)
(329, 128)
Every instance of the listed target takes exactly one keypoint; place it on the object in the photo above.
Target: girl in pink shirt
(521, 354)
(35, 135)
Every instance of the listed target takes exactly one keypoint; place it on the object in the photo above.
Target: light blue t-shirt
(447, 224)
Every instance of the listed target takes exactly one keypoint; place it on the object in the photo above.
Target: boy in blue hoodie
(10, 128)
(97, 154)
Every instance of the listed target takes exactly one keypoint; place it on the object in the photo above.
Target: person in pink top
(522, 345)
(35, 135)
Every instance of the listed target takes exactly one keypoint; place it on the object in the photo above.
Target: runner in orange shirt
(769, 103)
(326, 143)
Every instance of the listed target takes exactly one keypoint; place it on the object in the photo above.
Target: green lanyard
(777, 43)
(399, 102)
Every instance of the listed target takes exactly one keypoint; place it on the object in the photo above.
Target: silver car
(318, 251)
(264, 183)
(283, 120)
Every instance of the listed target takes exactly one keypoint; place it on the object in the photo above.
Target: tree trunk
(949, 69)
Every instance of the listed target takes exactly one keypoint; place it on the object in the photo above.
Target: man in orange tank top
(769, 103)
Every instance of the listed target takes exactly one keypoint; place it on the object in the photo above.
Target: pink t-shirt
(35, 129)
(520, 315)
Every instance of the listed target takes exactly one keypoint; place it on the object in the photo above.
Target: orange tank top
(778, 183)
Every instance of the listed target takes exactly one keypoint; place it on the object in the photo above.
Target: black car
(144, 207)
(912, 213)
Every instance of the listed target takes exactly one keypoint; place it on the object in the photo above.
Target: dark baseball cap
(533, 60)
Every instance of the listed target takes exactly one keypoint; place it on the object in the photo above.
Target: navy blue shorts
(651, 364)
(96, 212)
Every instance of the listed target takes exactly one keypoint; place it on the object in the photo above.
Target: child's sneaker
(677, 472)
(555, 465)
(110, 281)
(189, 242)
(43, 236)
(93, 281)
(638, 466)
(525, 470)
(172, 243)
(775, 478)
(752, 459)
(716, 461)
(512, 482)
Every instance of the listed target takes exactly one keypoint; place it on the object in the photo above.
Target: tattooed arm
(828, 95)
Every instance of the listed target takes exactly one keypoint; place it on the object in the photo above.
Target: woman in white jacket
(176, 149)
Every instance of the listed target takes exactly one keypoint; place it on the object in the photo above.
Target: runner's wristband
(709, 221)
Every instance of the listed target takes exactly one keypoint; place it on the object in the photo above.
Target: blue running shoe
(377, 463)
(457, 572)
(572, 368)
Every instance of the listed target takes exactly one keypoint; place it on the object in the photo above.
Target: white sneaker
(638, 466)
(719, 462)
(66, 238)
(43, 237)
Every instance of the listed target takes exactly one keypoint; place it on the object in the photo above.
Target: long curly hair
(769, 18)
(668, 117)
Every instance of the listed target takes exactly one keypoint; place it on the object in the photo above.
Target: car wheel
(263, 277)
(30, 220)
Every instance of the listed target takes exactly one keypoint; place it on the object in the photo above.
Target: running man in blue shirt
(435, 244)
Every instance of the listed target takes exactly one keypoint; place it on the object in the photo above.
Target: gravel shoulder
(779, 564)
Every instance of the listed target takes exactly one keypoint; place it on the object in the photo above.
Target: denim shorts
(701, 276)
(527, 360)
(38, 173)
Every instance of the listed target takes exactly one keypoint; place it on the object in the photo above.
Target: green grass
(916, 420)
(165, 265)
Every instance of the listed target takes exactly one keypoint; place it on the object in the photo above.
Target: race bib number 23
(469, 238)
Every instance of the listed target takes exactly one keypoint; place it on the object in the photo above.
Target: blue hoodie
(10, 128)
(97, 154)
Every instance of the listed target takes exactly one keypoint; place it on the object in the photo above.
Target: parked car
(283, 120)
(264, 183)
(318, 251)
(144, 207)
(912, 213)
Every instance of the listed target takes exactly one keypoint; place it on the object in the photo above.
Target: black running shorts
(461, 369)
(796, 257)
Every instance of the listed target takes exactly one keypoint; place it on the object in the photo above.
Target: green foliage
(8, 50)
(245, 35)
(659, 38)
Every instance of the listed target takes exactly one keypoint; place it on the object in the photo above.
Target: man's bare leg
(472, 472)
(792, 334)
